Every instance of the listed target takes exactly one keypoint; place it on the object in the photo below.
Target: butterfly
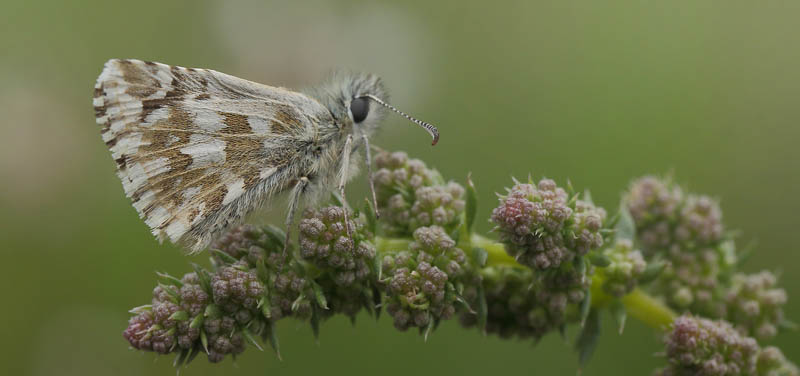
(197, 150)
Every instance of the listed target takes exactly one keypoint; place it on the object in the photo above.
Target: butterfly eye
(359, 108)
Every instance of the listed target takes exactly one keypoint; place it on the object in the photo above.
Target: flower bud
(697, 346)
(543, 229)
(325, 242)
(627, 265)
(411, 196)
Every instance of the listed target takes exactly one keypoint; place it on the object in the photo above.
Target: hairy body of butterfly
(197, 150)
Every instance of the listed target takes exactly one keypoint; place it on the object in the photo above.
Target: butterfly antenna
(430, 128)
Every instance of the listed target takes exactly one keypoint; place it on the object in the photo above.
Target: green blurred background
(597, 92)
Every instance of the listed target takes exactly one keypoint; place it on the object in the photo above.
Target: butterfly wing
(196, 149)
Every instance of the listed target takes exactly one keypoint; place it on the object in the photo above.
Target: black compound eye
(359, 107)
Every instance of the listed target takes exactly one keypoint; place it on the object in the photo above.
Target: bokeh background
(595, 92)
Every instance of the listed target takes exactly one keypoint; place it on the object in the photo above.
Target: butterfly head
(358, 102)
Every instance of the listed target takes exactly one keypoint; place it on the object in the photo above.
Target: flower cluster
(252, 247)
(654, 203)
(626, 266)
(347, 261)
(542, 228)
(687, 232)
(182, 318)
(518, 304)
(697, 346)
(411, 196)
(421, 281)
(252, 284)
(325, 242)
(755, 304)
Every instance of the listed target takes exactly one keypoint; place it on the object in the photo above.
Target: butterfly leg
(370, 177)
(294, 203)
(348, 148)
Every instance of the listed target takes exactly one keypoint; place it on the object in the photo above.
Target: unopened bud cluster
(686, 231)
(213, 312)
(542, 227)
(626, 266)
(421, 281)
(410, 195)
(697, 346)
(344, 252)
(518, 304)
(755, 304)
(337, 246)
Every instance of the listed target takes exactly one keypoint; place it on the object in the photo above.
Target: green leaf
(587, 339)
(315, 322)
(372, 220)
(620, 314)
(224, 256)
(195, 350)
(479, 256)
(472, 204)
(376, 296)
(483, 309)
(652, 271)
(249, 336)
(463, 302)
(336, 199)
(261, 271)
(273, 339)
(173, 294)
(204, 340)
(787, 324)
(319, 295)
(429, 328)
(170, 279)
(276, 236)
(587, 196)
(197, 322)
(625, 227)
(586, 306)
(140, 309)
(212, 311)
(205, 280)
(180, 358)
(179, 316)
(580, 265)
(296, 303)
(266, 308)
(599, 259)
(378, 265)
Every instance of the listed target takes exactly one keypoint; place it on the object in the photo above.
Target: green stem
(638, 304)
(648, 310)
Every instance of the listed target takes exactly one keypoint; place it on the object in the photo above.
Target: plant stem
(638, 304)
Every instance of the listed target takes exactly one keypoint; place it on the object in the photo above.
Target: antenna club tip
(435, 140)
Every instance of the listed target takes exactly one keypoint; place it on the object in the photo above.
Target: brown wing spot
(161, 143)
(121, 163)
(286, 120)
(193, 214)
(100, 111)
(235, 123)
(140, 83)
(213, 199)
(98, 91)
(202, 97)
(248, 151)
